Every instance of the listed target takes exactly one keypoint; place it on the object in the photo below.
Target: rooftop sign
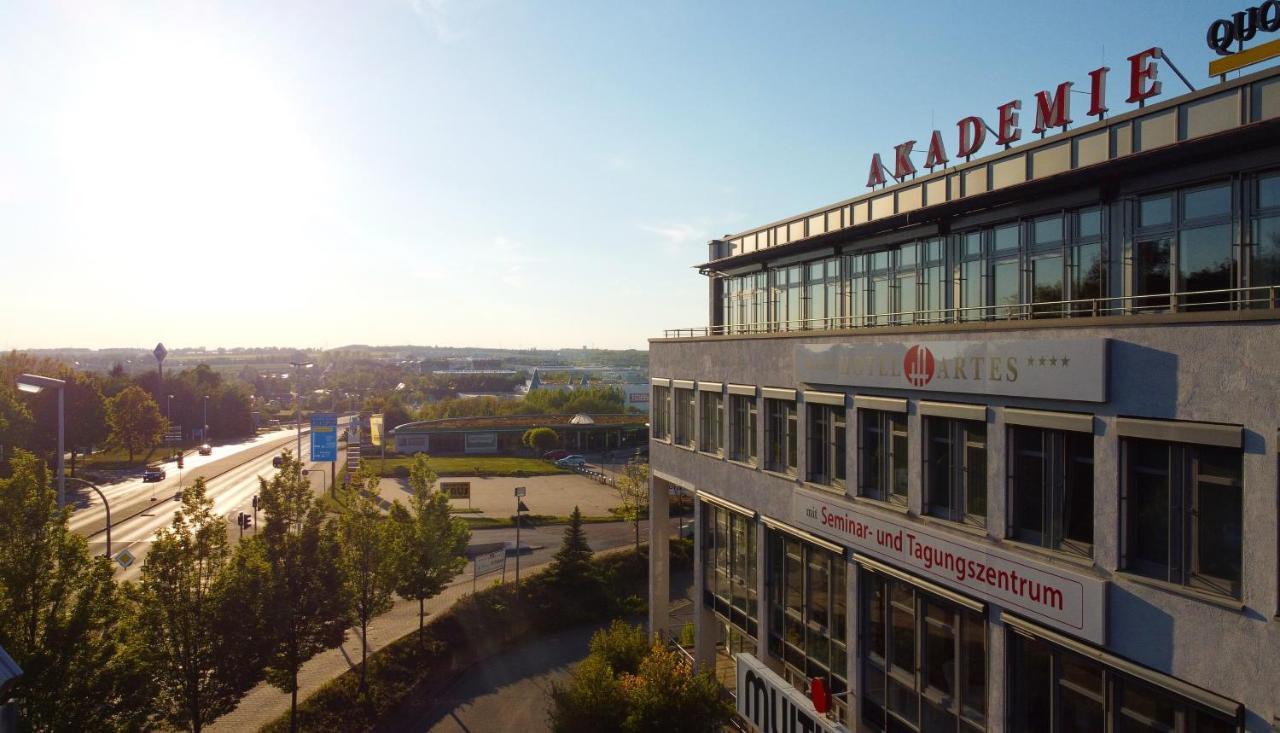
(1053, 110)
(1241, 27)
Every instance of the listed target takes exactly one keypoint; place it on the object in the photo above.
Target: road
(140, 510)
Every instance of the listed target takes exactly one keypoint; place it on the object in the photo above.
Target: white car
(571, 462)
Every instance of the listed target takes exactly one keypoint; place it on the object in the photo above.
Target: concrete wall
(1223, 371)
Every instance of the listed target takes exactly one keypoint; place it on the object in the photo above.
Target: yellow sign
(456, 489)
(375, 429)
(1237, 61)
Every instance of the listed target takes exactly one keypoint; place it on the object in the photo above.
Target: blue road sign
(324, 436)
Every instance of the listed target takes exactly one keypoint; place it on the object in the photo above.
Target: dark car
(206, 449)
(275, 462)
(555, 455)
(153, 473)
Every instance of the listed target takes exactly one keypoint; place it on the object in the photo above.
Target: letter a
(877, 172)
(937, 153)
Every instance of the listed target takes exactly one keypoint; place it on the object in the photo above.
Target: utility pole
(519, 492)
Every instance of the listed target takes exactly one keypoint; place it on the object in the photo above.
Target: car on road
(206, 449)
(571, 462)
(153, 473)
(275, 462)
(555, 455)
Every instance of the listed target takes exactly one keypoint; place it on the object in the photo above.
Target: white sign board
(769, 703)
(1075, 603)
(490, 562)
(1049, 369)
(520, 491)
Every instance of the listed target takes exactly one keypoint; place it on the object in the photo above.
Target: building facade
(994, 448)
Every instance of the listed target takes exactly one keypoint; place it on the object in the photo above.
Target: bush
(622, 646)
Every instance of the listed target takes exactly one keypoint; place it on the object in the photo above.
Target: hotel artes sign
(1072, 602)
(1052, 110)
(1070, 369)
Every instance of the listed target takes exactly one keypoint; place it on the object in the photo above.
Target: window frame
(883, 424)
(1177, 226)
(827, 437)
(959, 433)
(781, 426)
(743, 429)
(1056, 472)
(686, 424)
(711, 422)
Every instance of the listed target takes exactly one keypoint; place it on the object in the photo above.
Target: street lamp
(35, 384)
(297, 393)
(168, 409)
(520, 507)
(204, 433)
(105, 506)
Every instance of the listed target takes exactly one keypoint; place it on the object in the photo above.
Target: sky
(474, 172)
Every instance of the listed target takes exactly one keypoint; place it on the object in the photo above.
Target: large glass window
(1264, 239)
(1051, 488)
(711, 432)
(923, 659)
(826, 438)
(780, 435)
(785, 296)
(1184, 514)
(882, 455)
(956, 469)
(742, 428)
(662, 412)
(684, 400)
(746, 303)
(822, 293)
(808, 615)
(1183, 243)
(1055, 690)
(729, 567)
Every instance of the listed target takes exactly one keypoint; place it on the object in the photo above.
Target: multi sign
(1072, 602)
(1053, 110)
(490, 562)
(769, 704)
(324, 436)
(1043, 368)
(456, 489)
(1242, 26)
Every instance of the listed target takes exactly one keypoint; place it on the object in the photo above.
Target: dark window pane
(1144, 709)
(898, 431)
(903, 627)
(1268, 192)
(973, 244)
(1155, 210)
(1005, 287)
(1148, 506)
(939, 649)
(971, 292)
(1219, 516)
(1215, 201)
(1047, 230)
(1046, 284)
(973, 647)
(1086, 279)
(1031, 691)
(1266, 253)
(975, 467)
(1077, 495)
(1005, 238)
(1090, 223)
(1204, 263)
(1151, 264)
(938, 483)
(1028, 485)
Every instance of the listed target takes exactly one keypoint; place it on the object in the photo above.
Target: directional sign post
(324, 436)
(488, 563)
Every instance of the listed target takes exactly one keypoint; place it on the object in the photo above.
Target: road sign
(174, 435)
(353, 458)
(125, 558)
(520, 491)
(490, 562)
(456, 489)
(324, 436)
(160, 352)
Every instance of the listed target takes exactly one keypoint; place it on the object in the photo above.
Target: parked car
(153, 473)
(206, 449)
(275, 462)
(571, 462)
(555, 455)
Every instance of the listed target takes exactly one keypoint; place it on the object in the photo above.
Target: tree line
(209, 618)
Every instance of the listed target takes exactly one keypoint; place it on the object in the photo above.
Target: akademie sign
(1072, 602)
(770, 705)
(1048, 369)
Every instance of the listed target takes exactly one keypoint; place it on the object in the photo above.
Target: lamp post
(35, 384)
(520, 507)
(204, 432)
(105, 506)
(297, 394)
(168, 408)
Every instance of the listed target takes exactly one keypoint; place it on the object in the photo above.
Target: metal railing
(1262, 297)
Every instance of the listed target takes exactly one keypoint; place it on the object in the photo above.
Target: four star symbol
(1051, 361)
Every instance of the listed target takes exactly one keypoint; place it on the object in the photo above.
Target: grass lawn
(116, 459)
(398, 466)
(536, 519)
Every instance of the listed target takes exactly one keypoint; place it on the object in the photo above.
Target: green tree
(571, 565)
(306, 605)
(540, 439)
(177, 629)
(368, 557)
(624, 646)
(135, 420)
(632, 486)
(431, 544)
(86, 416)
(591, 701)
(61, 614)
(15, 423)
(666, 695)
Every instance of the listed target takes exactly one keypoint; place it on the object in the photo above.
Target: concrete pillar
(802, 437)
(705, 626)
(659, 555)
(762, 587)
(997, 447)
(853, 618)
(996, 682)
(915, 459)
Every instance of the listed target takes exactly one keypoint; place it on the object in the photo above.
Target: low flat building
(502, 434)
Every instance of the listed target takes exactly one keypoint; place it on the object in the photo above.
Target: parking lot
(494, 496)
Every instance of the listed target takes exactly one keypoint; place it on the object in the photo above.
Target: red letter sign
(877, 172)
(1055, 111)
(1008, 131)
(973, 132)
(1142, 67)
(1098, 91)
(937, 154)
(902, 165)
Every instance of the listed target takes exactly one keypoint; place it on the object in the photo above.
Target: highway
(139, 510)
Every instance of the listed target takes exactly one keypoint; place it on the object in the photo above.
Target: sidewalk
(265, 703)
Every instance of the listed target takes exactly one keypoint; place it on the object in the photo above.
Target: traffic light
(248, 521)
(179, 460)
(255, 502)
(240, 517)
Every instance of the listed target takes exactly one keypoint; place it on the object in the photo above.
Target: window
(1184, 243)
(1264, 238)
(711, 429)
(882, 446)
(956, 469)
(1051, 489)
(780, 436)
(1055, 690)
(808, 614)
(785, 297)
(822, 293)
(662, 413)
(826, 438)
(684, 417)
(1183, 514)
(742, 428)
(729, 567)
(923, 659)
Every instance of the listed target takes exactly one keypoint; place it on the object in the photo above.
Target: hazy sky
(473, 172)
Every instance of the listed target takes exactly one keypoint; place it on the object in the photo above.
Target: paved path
(493, 496)
(265, 703)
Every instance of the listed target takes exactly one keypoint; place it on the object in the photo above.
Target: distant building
(501, 434)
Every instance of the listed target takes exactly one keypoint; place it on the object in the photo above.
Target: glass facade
(1051, 489)
(729, 568)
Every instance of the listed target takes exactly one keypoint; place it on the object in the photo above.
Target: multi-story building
(994, 448)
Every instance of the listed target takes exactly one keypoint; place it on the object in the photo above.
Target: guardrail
(598, 476)
(1263, 297)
